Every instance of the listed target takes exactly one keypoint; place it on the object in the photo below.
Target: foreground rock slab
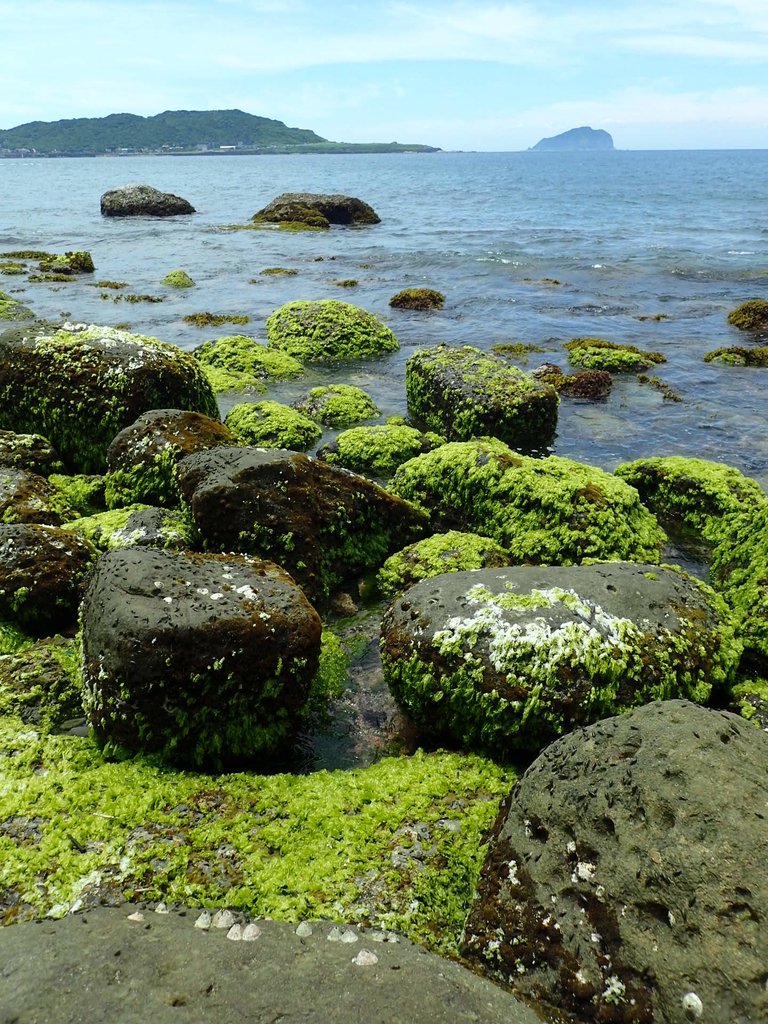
(103, 966)
(626, 878)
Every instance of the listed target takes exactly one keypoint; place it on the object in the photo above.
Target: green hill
(173, 130)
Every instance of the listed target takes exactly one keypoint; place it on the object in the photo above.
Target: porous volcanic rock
(507, 659)
(464, 393)
(321, 523)
(204, 659)
(336, 209)
(43, 572)
(142, 201)
(80, 384)
(625, 880)
(142, 458)
(27, 497)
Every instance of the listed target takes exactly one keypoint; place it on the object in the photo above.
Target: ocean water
(650, 248)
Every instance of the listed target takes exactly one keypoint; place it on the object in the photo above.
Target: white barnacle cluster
(583, 872)
(614, 990)
(512, 873)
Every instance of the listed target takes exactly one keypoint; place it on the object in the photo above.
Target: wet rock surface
(142, 201)
(336, 209)
(625, 880)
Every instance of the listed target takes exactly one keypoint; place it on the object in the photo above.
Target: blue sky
(487, 75)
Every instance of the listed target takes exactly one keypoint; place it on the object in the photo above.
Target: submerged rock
(599, 354)
(464, 393)
(337, 405)
(625, 877)
(204, 659)
(239, 363)
(750, 316)
(507, 659)
(313, 208)
(143, 201)
(328, 331)
(418, 298)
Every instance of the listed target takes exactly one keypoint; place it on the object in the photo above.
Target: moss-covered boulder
(507, 659)
(328, 331)
(272, 425)
(736, 355)
(79, 385)
(323, 524)
(549, 510)
(137, 526)
(588, 384)
(599, 354)
(750, 316)
(441, 553)
(12, 309)
(43, 573)
(238, 363)
(67, 264)
(142, 201)
(463, 393)
(41, 683)
(337, 405)
(205, 660)
(29, 451)
(379, 449)
(317, 210)
(417, 298)
(29, 498)
(142, 459)
(178, 279)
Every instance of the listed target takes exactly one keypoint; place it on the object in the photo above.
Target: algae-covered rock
(67, 264)
(42, 683)
(238, 363)
(624, 880)
(271, 425)
(337, 405)
(205, 660)
(507, 659)
(12, 309)
(599, 354)
(379, 449)
(29, 498)
(549, 510)
(453, 551)
(79, 385)
(735, 355)
(29, 451)
(317, 210)
(590, 384)
(142, 458)
(417, 298)
(43, 572)
(328, 331)
(463, 393)
(178, 279)
(142, 201)
(83, 492)
(323, 524)
(750, 316)
(137, 526)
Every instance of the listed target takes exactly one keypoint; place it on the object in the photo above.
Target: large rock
(142, 201)
(29, 451)
(79, 385)
(204, 659)
(43, 573)
(507, 659)
(625, 880)
(463, 393)
(28, 498)
(327, 331)
(323, 524)
(549, 510)
(335, 209)
(142, 458)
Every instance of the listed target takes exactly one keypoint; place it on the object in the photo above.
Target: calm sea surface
(533, 247)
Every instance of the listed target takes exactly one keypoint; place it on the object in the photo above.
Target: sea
(649, 248)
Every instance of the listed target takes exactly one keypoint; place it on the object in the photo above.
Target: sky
(458, 74)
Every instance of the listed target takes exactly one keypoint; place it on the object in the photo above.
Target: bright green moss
(327, 331)
(750, 699)
(41, 682)
(338, 405)
(599, 354)
(453, 551)
(750, 316)
(296, 847)
(239, 363)
(379, 449)
(736, 356)
(12, 638)
(151, 480)
(551, 511)
(178, 279)
(272, 425)
(83, 493)
(113, 529)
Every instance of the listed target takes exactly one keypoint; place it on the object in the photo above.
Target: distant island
(577, 140)
(177, 133)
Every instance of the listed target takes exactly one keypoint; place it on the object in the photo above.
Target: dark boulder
(625, 880)
(321, 523)
(142, 201)
(507, 659)
(29, 451)
(300, 206)
(43, 572)
(28, 498)
(205, 660)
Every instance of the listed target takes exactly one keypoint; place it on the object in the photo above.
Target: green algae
(78, 829)
(453, 551)
(84, 493)
(551, 511)
(750, 316)
(272, 425)
(379, 449)
(599, 354)
(113, 529)
(41, 682)
(328, 331)
(418, 298)
(239, 363)
(12, 309)
(12, 638)
(151, 480)
(178, 279)
(278, 272)
(338, 405)
(215, 319)
(734, 355)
